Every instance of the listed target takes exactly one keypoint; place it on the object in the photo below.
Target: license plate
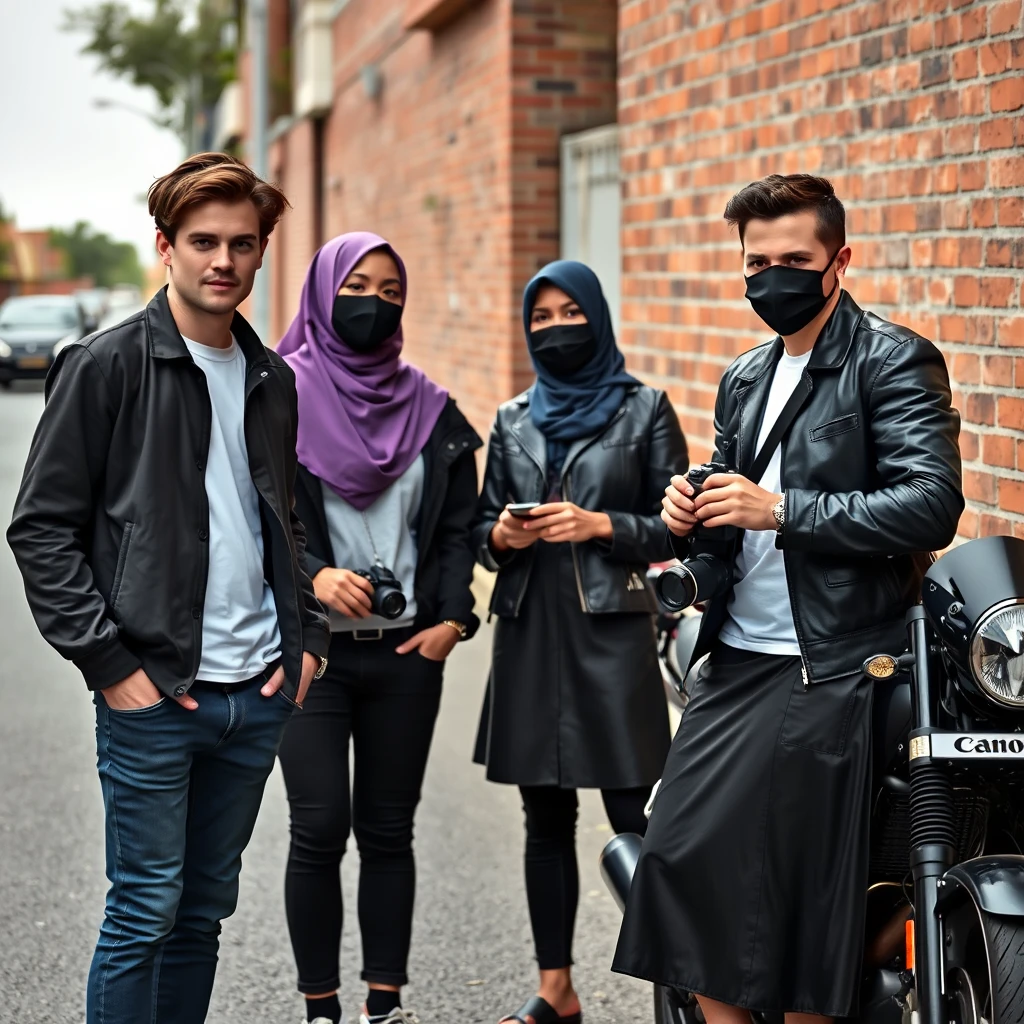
(977, 746)
(33, 363)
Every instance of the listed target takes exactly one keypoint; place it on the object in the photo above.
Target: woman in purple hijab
(386, 489)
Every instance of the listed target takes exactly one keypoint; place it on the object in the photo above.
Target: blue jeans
(181, 790)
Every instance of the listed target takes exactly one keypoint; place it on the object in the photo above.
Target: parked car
(33, 329)
(94, 302)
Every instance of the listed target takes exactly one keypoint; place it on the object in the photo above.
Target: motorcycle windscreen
(976, 575)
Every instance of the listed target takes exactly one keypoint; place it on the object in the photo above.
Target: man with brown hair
(838, 471)
(155, 533)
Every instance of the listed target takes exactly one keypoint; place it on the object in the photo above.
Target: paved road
(472, 956)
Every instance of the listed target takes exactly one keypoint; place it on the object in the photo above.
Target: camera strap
(778, 431)
(373, 545)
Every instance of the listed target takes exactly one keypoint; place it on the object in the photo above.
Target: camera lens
(676, 588)
(391, 602)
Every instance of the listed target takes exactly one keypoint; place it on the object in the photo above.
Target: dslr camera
(698, 474)
(388, 600)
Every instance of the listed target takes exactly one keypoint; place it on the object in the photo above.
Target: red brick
(1011, 496)
(1011, 212)
(969, 524)
(1007, 171)
(1011, 332)
(980, 487)
(966, 291)
(997, 134)
(1011, 412)
(998, 371)
(997, 291)
(999, 450)
(1004, 17)
(1007, 95)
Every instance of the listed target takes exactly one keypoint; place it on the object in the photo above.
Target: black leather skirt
(751, 883)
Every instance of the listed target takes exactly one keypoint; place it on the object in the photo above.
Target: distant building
(29, 265)
(485, 137)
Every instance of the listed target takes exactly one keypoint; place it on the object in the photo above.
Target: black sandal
(542, 1012)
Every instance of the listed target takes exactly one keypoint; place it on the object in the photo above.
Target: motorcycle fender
(994, 884)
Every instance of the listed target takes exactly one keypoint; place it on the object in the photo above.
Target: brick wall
(563, 80)
(294, 239)
(913, 108)
(457, 164)
(427, 167)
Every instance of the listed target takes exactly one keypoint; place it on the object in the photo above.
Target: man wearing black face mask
(844, 472)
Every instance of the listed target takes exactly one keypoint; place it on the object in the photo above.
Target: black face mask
(787, 299)
(564, 348)
(365, 322)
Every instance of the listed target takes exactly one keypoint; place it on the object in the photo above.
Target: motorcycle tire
(672, 1007)
(1004, 937)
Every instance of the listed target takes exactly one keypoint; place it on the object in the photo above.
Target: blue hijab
(582, 403)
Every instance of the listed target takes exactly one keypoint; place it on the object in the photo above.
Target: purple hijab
(364, 417)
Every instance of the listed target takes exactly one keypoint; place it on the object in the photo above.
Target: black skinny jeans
(387, 703)
(552, 875)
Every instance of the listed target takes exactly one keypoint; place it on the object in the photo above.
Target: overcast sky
(61, 159)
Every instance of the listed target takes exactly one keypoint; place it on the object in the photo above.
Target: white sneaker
(324, 1020)
(398, 1015)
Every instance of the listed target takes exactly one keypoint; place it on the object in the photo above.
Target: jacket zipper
(567, 491)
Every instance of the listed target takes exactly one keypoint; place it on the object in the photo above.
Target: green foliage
(91, 253)
(178, 50)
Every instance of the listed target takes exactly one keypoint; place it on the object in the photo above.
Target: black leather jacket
(444, 563)
(871, 473)
(111, 526)
(623, 470)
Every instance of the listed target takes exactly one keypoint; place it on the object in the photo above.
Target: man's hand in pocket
(138, 691)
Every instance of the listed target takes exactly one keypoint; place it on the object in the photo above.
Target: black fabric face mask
(364, 322)
(787, 299)
(564, 348)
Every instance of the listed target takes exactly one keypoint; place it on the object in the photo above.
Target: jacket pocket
(621, 442)
(840, 425)
(122, 561)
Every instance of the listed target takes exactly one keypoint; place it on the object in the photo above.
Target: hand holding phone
(523, 509)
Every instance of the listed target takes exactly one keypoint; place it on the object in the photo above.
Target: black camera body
(698, 474)
(388, 599)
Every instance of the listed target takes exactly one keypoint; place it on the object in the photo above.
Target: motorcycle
(945, 903)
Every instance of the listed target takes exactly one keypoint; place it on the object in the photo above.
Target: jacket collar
(830, 350)
(165, 340)
(534, 444)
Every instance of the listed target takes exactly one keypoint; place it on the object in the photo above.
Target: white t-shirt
(391, 523)
(760, 617)
(241, 635)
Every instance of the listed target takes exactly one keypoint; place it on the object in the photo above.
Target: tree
(180, 50)
(91, 253)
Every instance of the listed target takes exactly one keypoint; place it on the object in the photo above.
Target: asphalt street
(472, 957)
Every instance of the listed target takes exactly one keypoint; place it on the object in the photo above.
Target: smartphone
(523, 509)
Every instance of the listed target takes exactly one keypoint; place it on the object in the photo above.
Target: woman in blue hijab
(569, 518)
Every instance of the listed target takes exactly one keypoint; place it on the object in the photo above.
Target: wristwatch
(459, 628)
(779, 512)
(318, 674)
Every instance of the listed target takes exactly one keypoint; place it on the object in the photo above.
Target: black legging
(387, 703)
(552, 876)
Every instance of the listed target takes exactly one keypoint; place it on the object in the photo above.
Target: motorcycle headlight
(5, 350)
(997, 653)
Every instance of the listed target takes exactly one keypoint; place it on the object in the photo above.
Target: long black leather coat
(575, 697)
(622, 470)
(872, 477)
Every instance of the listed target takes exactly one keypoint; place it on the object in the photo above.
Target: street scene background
(483, 138)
